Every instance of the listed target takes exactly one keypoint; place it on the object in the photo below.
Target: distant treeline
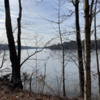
(73, 45)
(5, 47)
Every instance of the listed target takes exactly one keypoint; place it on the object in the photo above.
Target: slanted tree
(14, 58)
(87, 82)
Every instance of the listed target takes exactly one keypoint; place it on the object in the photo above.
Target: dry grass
(8, 94)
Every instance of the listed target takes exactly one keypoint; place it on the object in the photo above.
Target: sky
(36, 29)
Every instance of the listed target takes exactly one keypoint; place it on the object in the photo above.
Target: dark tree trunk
(79, 47)
(19, 32)
(91, 14)
(16, 80)
(11, 44)
(87, 83)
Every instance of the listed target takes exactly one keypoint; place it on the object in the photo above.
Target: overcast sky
(33, 20)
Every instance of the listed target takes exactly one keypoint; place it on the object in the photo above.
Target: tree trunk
(91, 14)
(63, 72)
(96, 50)
(11, 44)
(87, 84)
(79, 47)
(62, 47)
(16, 80)
(19, 32)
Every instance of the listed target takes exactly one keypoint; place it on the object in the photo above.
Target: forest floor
(8, 94)
(5, 94)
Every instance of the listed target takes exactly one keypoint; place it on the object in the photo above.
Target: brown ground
(7, 94)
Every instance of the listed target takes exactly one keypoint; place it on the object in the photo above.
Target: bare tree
(19, 32)
(97, 60)
(14, 58)
(60, 19)
(87, 83)
(79, 47)
(62, 47)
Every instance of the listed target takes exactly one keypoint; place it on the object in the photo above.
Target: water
(51, 62)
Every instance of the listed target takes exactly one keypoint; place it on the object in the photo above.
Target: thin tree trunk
(62, 47)
(91, 13)
(19, 32)
(87, 84)
(63, 72)
(79, 47)
(96, 50)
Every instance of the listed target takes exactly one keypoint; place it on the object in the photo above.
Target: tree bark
(19, 32)
(11, 44)
(87, 84)
(79, 47)
(91, 14)
(16, 79)
(95, 35)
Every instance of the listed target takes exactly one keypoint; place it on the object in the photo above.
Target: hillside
(72, 45)
(5, 47)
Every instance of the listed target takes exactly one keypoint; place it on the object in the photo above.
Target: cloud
(32, 13)
(31, 16)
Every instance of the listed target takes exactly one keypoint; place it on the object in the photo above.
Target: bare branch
(36, 52)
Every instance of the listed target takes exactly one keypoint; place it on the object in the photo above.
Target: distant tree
(14, 58)
(60, 46)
